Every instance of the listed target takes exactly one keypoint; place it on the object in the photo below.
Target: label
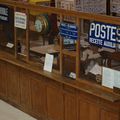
(106, 35)
(69, 31)
(72, 75)
(4, 13)
(20, 20)
(9, 45)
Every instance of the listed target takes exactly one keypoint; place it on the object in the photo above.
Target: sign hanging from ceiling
(4, 13)
(104, 35)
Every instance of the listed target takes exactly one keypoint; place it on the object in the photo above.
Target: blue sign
(68, 30)
(4, 13)
(106, 35)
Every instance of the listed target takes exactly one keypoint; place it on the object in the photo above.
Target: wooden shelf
(69, 52)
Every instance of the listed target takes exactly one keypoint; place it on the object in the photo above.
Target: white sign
(20, 20)
(111, 78)
(108, 77)
(48, 62)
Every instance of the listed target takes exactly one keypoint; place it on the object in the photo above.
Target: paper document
(48, 62)
(116, 78)
(108, 77)
(97, 69)
(111, 78)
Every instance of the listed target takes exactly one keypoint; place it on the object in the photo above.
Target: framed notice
(4, 13)
(20, 20)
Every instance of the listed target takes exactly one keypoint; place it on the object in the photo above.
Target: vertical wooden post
(15, 38)
(61, 48)
(27, 37)
(78, 50)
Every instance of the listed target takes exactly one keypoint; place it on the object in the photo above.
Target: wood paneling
(55, 104)
(105, 115)
(51, 99)
(25, 91)
(38, 94)
(13, 86)
(3, 80)
(88, 111)
(70, 104)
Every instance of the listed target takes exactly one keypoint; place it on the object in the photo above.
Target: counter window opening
(79, 43)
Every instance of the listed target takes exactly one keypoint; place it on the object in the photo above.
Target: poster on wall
(4, 13)
(90, 6)
(115, 6)
(104, 35)
(20, 20)
(94, 6)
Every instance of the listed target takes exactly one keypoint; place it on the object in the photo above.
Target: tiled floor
(8, 112)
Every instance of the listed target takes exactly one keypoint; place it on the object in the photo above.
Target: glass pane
(100, 46)
(44, 36)
(7, 28)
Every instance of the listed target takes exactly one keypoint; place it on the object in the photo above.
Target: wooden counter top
(42, 50)
(82, 85)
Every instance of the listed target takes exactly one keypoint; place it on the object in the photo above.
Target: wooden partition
(61, 14)
(52, 96)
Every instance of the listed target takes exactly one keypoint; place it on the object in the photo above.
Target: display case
(86, 64)
(80, 51)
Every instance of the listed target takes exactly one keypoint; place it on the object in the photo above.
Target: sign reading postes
(4, 13)
(69, 31)
(20, 20)
(106, 35)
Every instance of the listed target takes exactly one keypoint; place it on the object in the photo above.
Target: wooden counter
(50, 96)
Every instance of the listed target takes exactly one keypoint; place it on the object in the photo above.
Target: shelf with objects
(80, 50)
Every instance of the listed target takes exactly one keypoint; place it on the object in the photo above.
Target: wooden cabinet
(3, 80)
(25, 91)
(55, 104)
(38, 94)
(13, 86)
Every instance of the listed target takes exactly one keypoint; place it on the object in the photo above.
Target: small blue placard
(104, 35)
(4, 13)
(68, 30)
